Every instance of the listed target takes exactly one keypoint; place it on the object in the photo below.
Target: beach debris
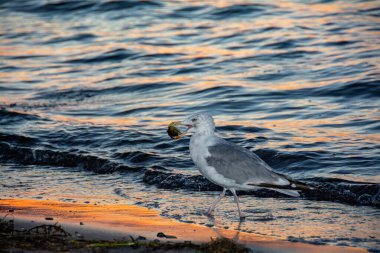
(223, 245)
(49, 218)
(264, 218)
(49, 231)
(173, 131)
(55, 238)
(6, 226)
(162, 235)
(81, 223)
(102, 246)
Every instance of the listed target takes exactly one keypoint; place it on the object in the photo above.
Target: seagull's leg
(241, 214)
(212, 207)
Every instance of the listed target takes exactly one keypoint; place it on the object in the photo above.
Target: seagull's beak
(176, 123)
(183, 123)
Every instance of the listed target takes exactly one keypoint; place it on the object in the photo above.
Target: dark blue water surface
(92, 86)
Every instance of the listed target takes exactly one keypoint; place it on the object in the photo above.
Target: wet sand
(119, 222)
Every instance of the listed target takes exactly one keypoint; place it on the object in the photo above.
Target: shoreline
(112, 222)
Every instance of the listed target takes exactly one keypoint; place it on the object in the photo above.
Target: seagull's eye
(194, 120)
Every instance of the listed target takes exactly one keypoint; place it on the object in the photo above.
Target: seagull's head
(199, 123)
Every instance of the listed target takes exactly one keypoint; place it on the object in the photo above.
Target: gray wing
(241, 165)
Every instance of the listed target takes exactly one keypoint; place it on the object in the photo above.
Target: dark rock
(162, 235)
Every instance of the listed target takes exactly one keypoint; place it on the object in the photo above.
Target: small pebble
(78, 235)
(141, 238)
(160, 234)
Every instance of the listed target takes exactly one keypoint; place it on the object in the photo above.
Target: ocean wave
(240, 10)
(360, 89)
(5, 88)
(135, 111)
(35, 156)
(115, 55)
(11, 116)
(17, 139)
(21, 150)
(271, 76)
(216, 91)
(68, 7)
(245, 129)
(79, 94)
(352, 89)
(68, 94)
(123, 5)
(325, 189)
(137, 157)
(78, 37)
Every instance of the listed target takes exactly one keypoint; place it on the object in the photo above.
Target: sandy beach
(120, 222)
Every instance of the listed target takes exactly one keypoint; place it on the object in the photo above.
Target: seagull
(231, 166)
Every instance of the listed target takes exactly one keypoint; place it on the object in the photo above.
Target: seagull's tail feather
(290, 189)
(293, 185)
(297, 185)
(288, 192)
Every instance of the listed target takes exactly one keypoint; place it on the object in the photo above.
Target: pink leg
(241, 214)
(212, 207)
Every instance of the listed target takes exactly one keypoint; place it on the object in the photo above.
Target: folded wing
(246, 168)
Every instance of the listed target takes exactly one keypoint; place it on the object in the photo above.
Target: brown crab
(174, 132)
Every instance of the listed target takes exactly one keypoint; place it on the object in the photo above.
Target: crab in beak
(174, 132)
